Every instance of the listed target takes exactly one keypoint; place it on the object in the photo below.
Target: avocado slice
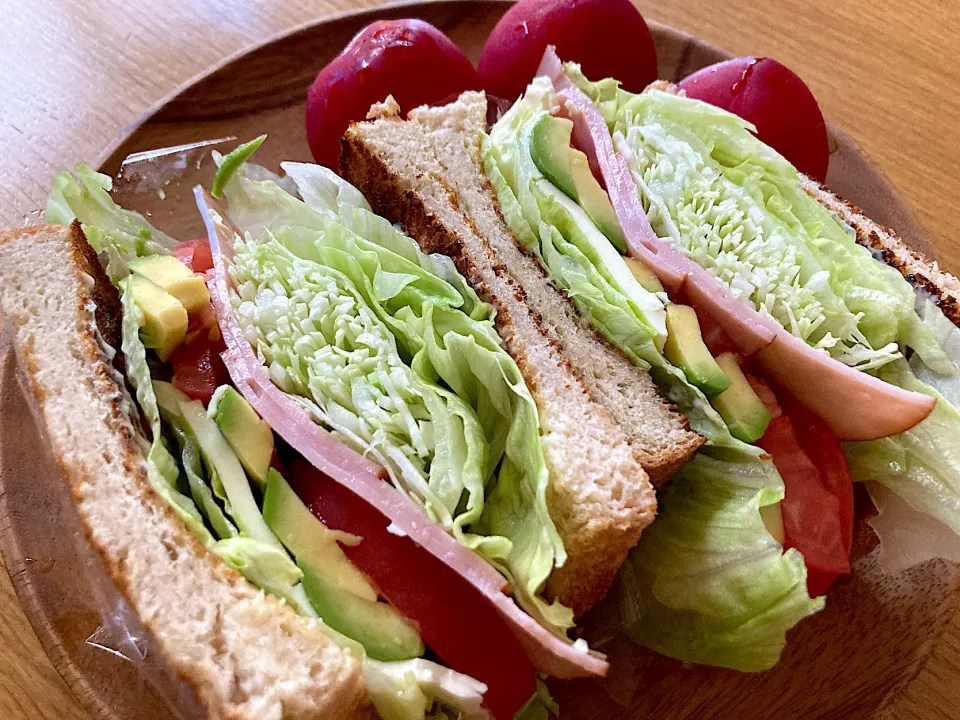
(249, 436)
(221, 460)
(739, 406)
(164, 317)
(167, 272)
(569, 169)
(685, 349)
(644, 275)
(308, 539)
(382, 631)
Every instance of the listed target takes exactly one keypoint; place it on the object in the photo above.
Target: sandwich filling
(717, 196)
(379, 348)
(390, 351)
(690, 587)
(741, 211)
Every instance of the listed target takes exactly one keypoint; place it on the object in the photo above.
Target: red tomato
(195, 254)
(609, 38)
(775, 100)
(461, 626)
(409, 59)
(818, 505)
(198, 369)
(203, 325)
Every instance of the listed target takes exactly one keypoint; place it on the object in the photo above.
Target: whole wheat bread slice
(246, 655)
(599, 494)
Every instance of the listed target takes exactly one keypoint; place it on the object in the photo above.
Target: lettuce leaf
(162, 469)
(392, 350)
(410, 689)
(122, 234)
(707, 583)
(736, 206)
(922, 465)
(200, 490)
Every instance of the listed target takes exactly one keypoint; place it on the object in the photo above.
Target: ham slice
(855, 405)
(549, 653)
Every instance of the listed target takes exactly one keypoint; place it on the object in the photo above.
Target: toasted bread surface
(599, 494)
(245, 654)
(919, 270)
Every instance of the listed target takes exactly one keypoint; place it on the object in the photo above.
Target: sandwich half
(554, 204)
(244, 653)
(365, 471)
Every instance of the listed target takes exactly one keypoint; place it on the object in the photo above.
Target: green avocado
(382, 631)
(569, 170)
(165, 318)
(167, 272)
(308, 539)
(644, 275)
(248, 435)
(739, 406)
(685, 349)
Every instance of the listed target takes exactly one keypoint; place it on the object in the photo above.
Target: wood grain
(72, 75)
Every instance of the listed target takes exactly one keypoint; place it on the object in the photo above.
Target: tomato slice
(460, 625)
(195, 254)
(198, 369)
(817, 507)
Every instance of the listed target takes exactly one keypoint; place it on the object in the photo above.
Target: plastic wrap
(94, 638)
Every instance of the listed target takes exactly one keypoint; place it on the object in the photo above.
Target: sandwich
(380, 441)
(803, 344)
(316, 435)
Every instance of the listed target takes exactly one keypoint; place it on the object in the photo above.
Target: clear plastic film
(95, 639)
(87, 628)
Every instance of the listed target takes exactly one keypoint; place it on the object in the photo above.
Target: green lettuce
(162, 469)
(415, 689)
(200, 490)
(540, 706)
(922, 465)
(122, 234)
(584, 263)
(735, 206)
(391, 350)
(707, 583)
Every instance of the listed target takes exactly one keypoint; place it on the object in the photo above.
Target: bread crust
(919, 270)
(87, 305)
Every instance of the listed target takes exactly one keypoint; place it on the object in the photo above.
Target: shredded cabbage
(391, 350)
(735, 206)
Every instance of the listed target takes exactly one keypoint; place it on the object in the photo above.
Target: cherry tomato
(409, 59)
(195, 254)
(817, 507)
(461, 626)
(198, 369)
(609, 38)
(775, 100)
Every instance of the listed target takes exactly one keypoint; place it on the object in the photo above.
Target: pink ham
(550, 654)
(856, 405)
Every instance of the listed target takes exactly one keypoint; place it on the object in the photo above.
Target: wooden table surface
(74, 74)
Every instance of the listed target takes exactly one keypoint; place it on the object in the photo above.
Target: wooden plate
(849, 661)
